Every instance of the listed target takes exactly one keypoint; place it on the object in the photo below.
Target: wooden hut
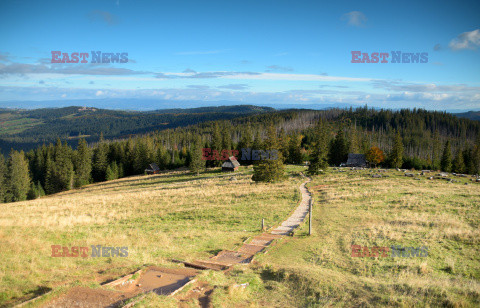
(356, 160)
(152, 169)
(230, 165)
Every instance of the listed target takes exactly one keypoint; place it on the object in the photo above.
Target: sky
(260, 52)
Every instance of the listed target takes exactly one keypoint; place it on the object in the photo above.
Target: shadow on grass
(39, 291)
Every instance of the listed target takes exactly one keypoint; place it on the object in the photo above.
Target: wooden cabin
(356, 160)
(152, 169)
(230, 165)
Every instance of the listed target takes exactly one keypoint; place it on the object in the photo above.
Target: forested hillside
(408, 138)
(26, 129)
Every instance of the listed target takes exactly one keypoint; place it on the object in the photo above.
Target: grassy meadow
(352, 208)
(177, 215)
(160, 217)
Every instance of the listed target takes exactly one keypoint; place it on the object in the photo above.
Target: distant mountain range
(155, 104)
(472, 115)
(175, 106)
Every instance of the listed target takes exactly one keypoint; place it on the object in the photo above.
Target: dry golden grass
(160, 217)
(177, 215)
(353, 208)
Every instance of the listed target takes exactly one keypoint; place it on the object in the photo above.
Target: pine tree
(100, 163)
(246, 140)
(141, 159)
(319, 161)
(197, 164)
(18, 176)
(294, 150)
(60, 172)
(436, 149)
(396, 155)
(269, 170)
(162, 157)
(354, 143)
(112, 172)
(476, 157)
(446, 162)
(3, 177)
(257, 141)
(36, 191)
(458, 163)
(82, 164)
(226, 137)
(284, 141)
(217, 141)
(339, 149)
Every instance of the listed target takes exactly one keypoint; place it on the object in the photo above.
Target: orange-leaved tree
(375, 156)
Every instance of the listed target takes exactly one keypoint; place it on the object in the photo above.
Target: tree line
(403, 139)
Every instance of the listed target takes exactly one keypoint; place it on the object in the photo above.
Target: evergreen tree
(476, 157)
(284, 141)
(217, 141)
(162, 157)
(436, 150)
(269, 170)
(446, 162)
(246, 140)
(18, 176)
(468, 160)
(226, 137)
(257, 141)
(458, 163)
(112, 172)
(3, 177)
(319, 161)
(339, 149)
(100, 163)
(294, 150)
(36, 191)
(197, 164)
(396, 155)
(60, 171)
(141, 159)
(354, 143)
(82, 164)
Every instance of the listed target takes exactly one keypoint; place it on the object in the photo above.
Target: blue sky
(255, 52)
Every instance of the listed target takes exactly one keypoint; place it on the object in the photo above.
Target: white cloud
(466, 40)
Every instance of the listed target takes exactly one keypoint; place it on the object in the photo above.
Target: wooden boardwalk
(244, 255)
(299, 215)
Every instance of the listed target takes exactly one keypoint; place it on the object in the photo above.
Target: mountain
(472, 115)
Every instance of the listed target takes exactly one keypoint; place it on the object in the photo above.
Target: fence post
(263, 224)
(310, 217)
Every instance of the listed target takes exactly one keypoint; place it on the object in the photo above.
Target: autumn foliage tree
(375, 156)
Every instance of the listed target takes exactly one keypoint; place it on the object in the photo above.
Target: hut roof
(153, 167)
(231, 162)
(356, 160)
